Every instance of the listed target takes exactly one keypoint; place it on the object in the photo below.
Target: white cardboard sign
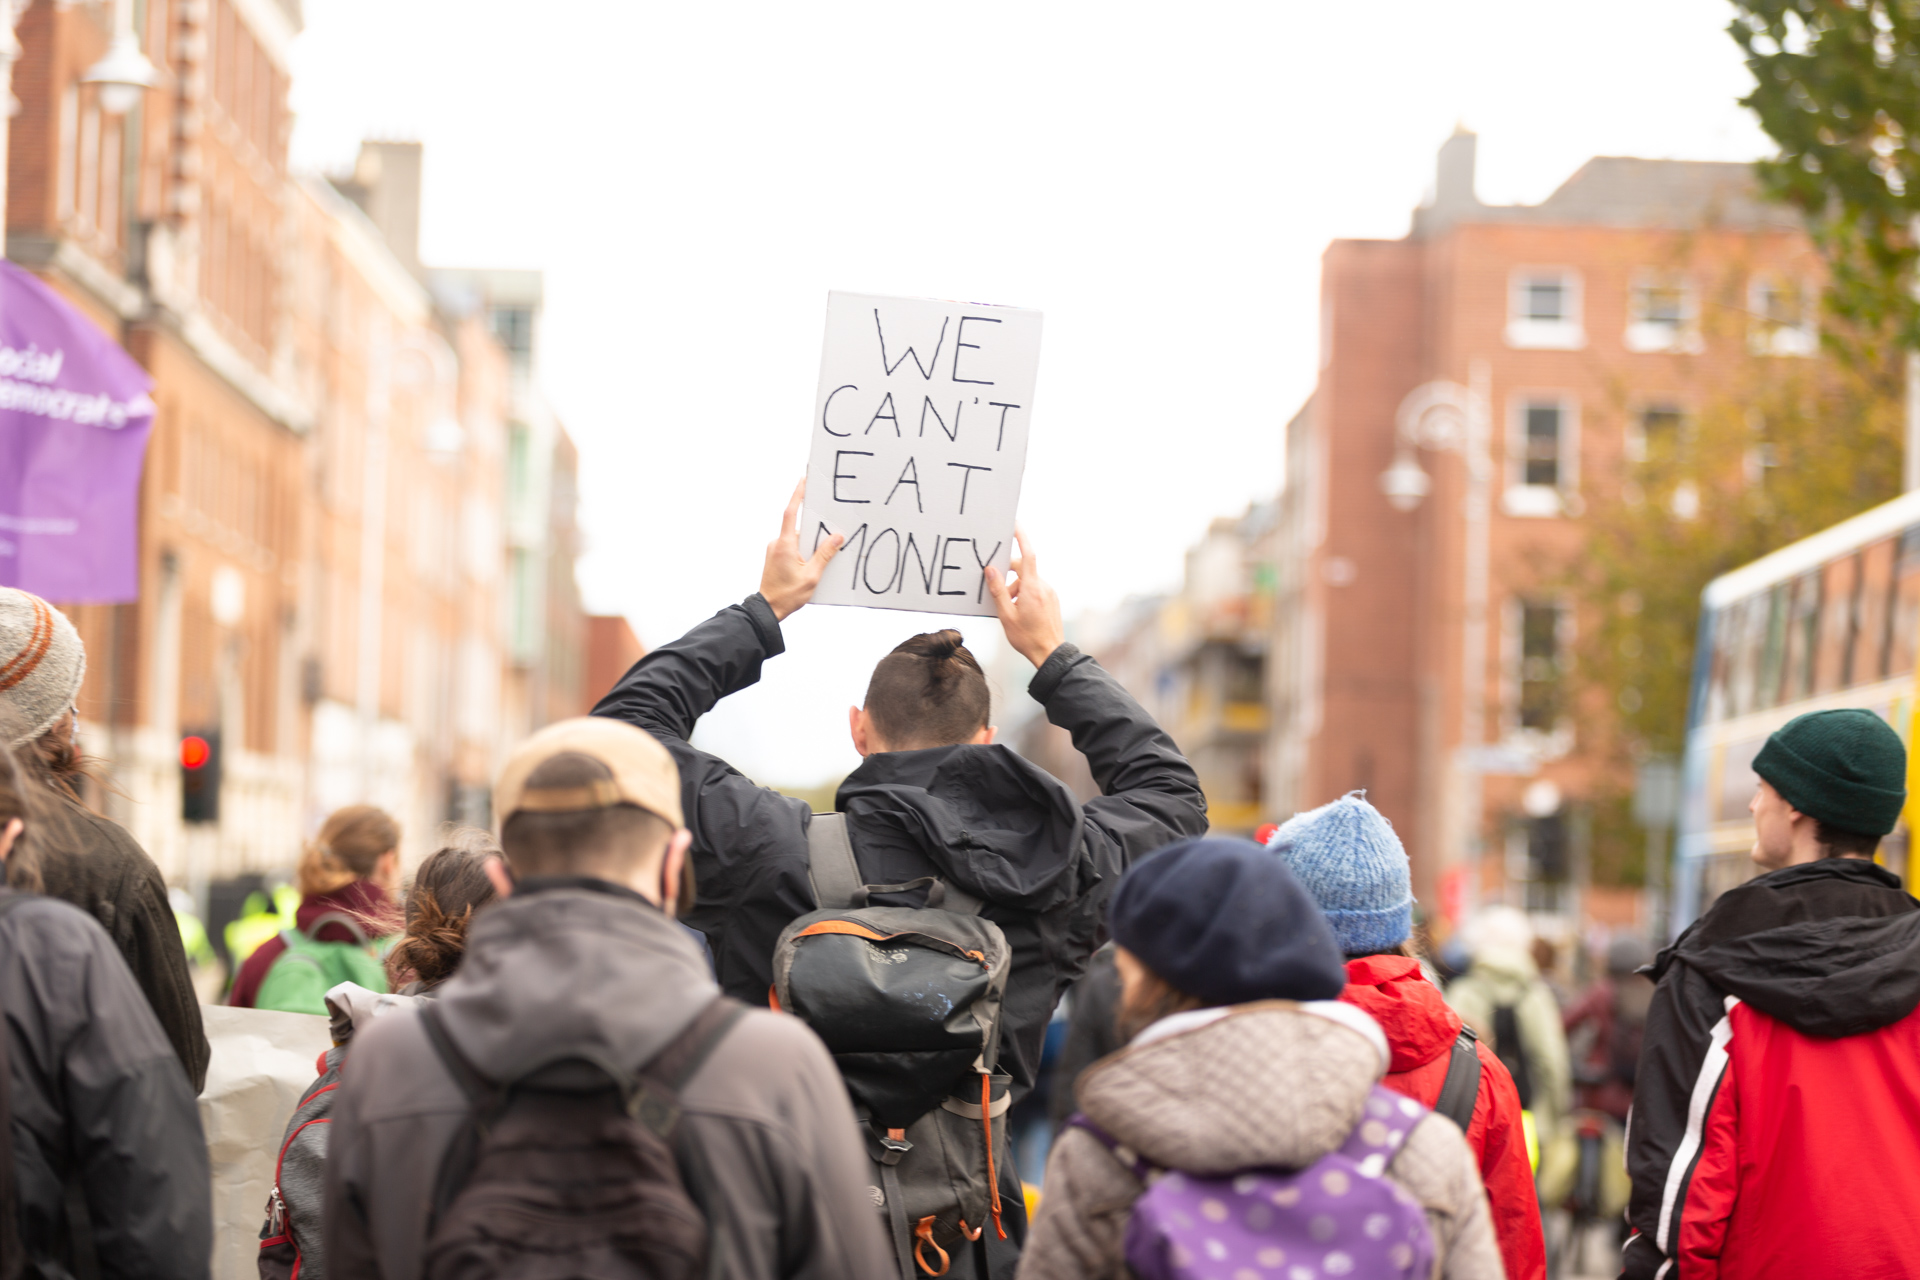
(919, 440)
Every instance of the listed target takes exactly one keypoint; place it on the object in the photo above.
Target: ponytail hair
(929, 692)
(347, 849)
(450, 886)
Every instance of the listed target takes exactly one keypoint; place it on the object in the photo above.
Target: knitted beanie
(1223, 920)
(1845, 767)
(1349, 859)
(41, 664)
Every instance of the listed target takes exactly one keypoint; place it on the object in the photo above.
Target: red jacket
(361, 898)
(1420, 1031)
(1810, 1157)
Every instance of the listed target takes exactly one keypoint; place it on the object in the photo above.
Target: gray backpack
(908, 1000)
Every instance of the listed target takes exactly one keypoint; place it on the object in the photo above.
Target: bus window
(1737, 780)
(1803, 634)
(1875, 586)
(1837, 624)
(1904, 625)
(1766, 690)
(1719, 621)
(1748, 635)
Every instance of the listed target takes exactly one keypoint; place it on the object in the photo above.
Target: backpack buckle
(653, 1111)
(894, 1146)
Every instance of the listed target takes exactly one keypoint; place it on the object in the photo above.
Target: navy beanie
(1225, 921)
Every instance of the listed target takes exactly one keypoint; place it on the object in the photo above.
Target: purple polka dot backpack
(1340, 1217)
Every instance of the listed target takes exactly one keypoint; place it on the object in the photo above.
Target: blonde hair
(348, 848)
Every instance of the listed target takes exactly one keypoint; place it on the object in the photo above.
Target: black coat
(1831, 948)
(99, 1101)
(982, 817)
(93, 863)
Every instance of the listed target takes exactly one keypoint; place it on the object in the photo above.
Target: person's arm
(1150, 795)
(1506, 1171)
(347, 1230)
(1714, 1187)
(1682, 1063)
(1079, 1232)
(139, 1152)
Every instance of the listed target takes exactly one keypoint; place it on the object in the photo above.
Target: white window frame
(1541, 744)
(1527, 334)
(1542, 501)
(1644, 335)
(1636, 437)
(1768, 337)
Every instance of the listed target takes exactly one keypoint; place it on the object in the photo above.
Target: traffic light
(200, 776)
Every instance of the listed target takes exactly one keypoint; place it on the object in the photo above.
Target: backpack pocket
(939, 1192)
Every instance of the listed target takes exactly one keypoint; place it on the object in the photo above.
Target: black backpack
(908, 1001)
(571, 1172)
(1507, 1047)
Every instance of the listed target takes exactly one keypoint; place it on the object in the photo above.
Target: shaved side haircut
(929, 692)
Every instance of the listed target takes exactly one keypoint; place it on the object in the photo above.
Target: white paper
(263, 1060)
(919, 440)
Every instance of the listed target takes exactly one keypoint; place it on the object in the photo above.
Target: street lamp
(124, 74)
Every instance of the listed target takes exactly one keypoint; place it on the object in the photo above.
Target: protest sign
(74, 421)
(918, 444)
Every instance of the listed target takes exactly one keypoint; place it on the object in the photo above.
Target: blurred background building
(357, 526)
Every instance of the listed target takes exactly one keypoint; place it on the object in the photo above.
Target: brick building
(334, 522)
(1480, 380)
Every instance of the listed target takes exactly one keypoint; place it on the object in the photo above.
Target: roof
(1627, 191)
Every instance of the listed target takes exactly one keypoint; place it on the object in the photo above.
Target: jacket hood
(1269, 1084)
(363, 900)
(572, 968)
(1418, 1024)
(992, 822)
(1831, 978)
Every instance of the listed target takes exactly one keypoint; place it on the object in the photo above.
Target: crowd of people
(664, 1022)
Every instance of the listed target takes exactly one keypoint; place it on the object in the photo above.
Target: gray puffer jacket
(1273, 1085)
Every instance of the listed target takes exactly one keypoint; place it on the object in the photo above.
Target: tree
(1837, 88)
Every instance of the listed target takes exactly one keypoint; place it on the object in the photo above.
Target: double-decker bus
(1831, 621)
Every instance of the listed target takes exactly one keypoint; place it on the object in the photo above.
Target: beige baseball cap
(639, 771)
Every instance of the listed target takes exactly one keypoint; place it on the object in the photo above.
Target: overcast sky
(1159, 180)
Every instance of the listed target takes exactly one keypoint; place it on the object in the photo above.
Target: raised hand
(1028, 608)
(788, 578)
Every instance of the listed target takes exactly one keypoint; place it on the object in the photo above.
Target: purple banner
(74, 421)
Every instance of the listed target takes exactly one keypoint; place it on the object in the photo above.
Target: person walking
(934, 798)
(1778, 1091)
(107, 1171)
(1349, 858)
(91, 861)
(1242, 1067)
(1515, 1013)
(346, 878)
(578, 1089)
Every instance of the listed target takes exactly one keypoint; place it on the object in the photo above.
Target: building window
(1654, 431)
(1662, 315)
(1782, 318)
(1543, 310)
(1542, 449)
(1540, 690)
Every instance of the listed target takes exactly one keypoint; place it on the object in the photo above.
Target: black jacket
(982, 817)
(1831, 948)
(94, 864)
(98, 1102)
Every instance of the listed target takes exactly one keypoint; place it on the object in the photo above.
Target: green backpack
(299, 980)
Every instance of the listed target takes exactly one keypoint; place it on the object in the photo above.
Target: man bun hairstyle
(603, 841)
(448, 888)
(929, 692)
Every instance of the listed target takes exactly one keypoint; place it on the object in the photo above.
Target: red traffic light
(194, 751)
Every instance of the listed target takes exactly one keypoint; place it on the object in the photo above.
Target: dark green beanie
(1846, 768)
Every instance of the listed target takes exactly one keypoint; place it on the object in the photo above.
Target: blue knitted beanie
(1349, 859)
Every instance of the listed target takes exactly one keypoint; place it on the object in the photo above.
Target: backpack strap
(1461, 1089)
(353, 926)
(836, 875)
(1126, 1155)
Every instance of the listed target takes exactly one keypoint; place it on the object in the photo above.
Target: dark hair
(1835, 843)
(605, 842)
(929, 692)
(28, 791)
(347, 849)
(448, 888)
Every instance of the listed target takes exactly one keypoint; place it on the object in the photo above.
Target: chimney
(386, 186)
(1453, 195)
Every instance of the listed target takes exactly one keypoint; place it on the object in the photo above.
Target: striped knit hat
(41, 663)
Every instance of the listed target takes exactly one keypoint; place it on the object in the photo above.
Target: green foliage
(1838, 89)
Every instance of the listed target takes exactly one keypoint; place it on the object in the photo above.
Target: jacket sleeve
(139, 1151)
(1501, 1146)
(749, 843)
(1149, 794)
(1682, 1062)
(1714, 1187)
(1436, 1166)
(1079, 1232)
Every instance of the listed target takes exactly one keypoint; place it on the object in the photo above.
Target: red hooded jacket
(360, 898)
(1420, 1031)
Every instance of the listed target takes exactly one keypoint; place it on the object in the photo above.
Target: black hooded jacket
(1830, 948)
(982, 817)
